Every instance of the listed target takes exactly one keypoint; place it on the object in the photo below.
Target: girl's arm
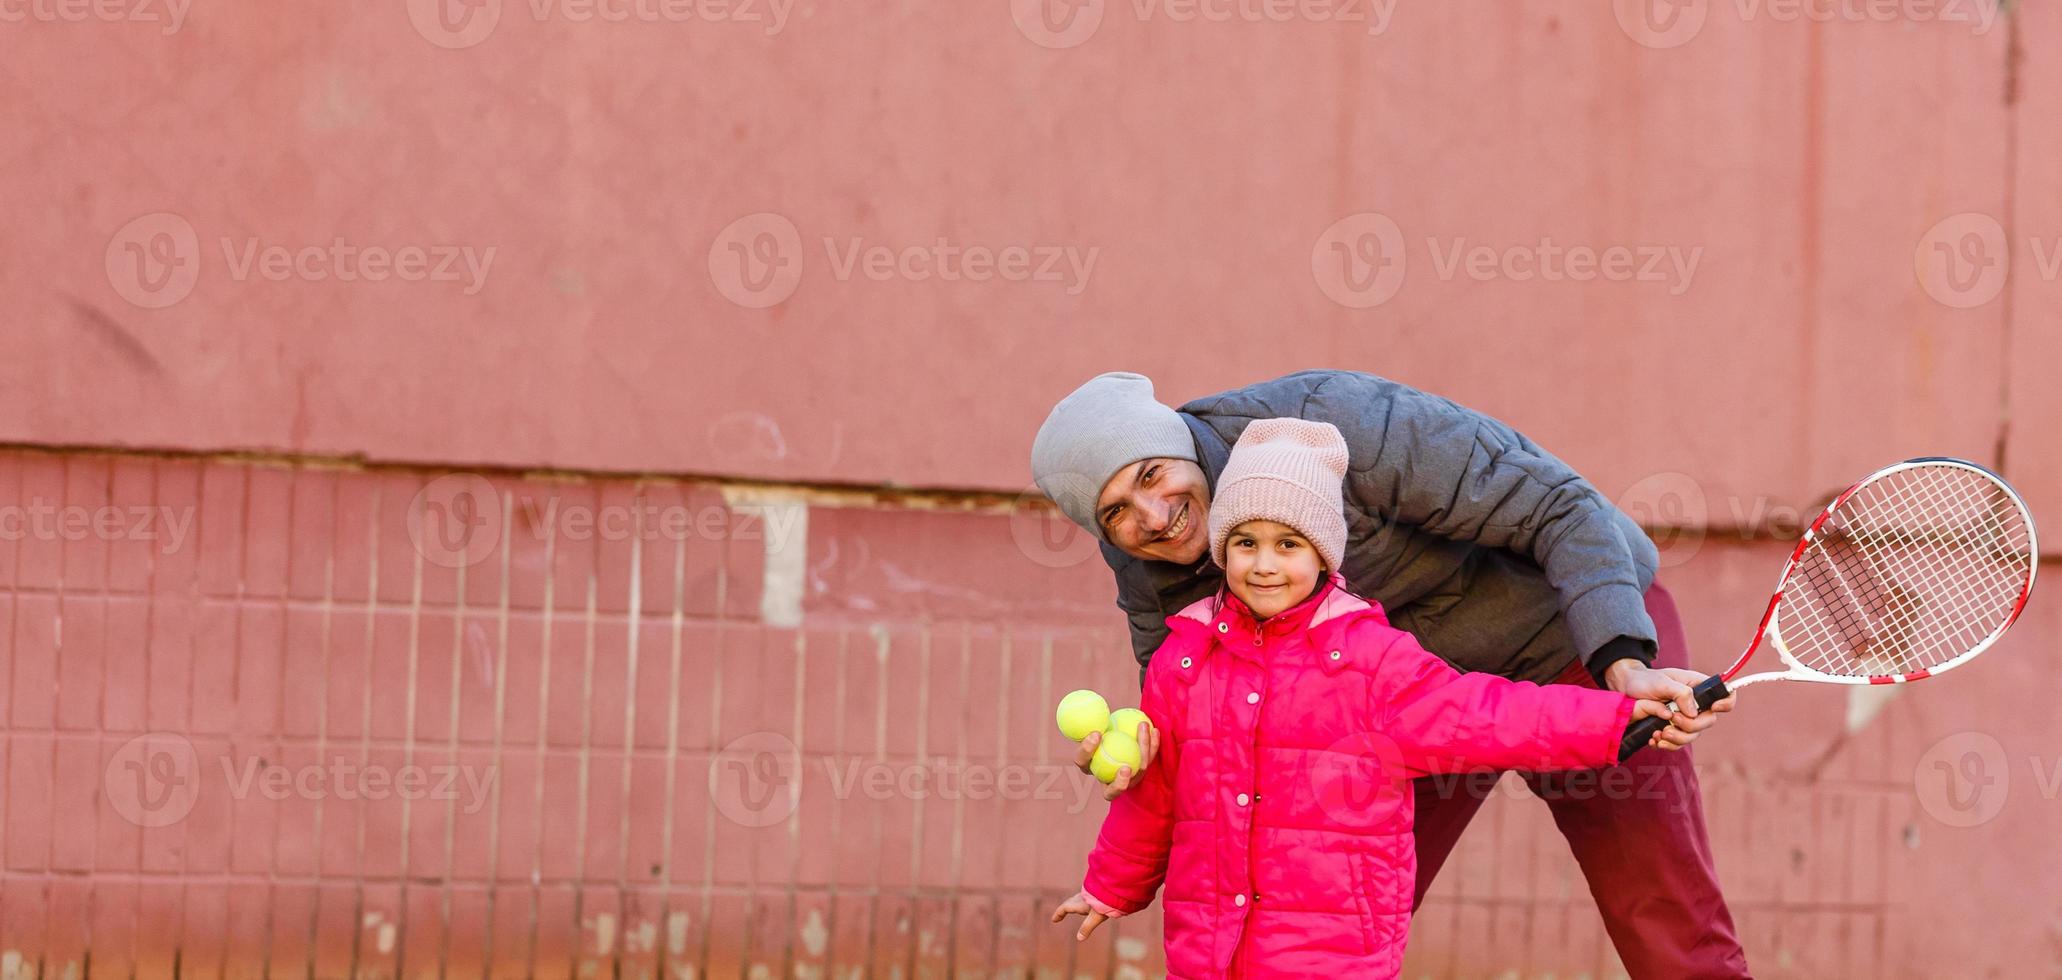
(1445, 721)
(1130, 856)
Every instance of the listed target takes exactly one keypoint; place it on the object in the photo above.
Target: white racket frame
(1771, 623)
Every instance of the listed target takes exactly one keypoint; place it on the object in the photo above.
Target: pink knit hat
(1288, 471)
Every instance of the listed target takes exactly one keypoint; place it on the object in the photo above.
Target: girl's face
(1270, 566)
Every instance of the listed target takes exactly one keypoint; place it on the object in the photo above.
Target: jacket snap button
(1335, 654)
(1185, 662)
(1253, 698)
(1239, 900)
(1243, 799)
(1223, 627)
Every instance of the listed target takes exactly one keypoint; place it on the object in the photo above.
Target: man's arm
(1425, 461)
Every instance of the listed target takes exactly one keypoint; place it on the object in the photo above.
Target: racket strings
(1913, 570)
(1877, 626)
(1941, 530)
(1940, 578)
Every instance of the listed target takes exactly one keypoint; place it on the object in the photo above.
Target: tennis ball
(1083, 712)
(1117, 749)
(1126, 720)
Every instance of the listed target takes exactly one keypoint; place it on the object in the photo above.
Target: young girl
(1291, 719)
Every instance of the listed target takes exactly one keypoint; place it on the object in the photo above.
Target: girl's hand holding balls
(1115, 745)
(1117, 752)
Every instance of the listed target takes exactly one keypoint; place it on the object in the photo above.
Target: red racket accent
(2019, 607)
(1761, 630)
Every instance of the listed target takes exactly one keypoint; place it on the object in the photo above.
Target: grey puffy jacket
(1495, 554)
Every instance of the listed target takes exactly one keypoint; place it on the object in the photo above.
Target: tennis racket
(1909, 573)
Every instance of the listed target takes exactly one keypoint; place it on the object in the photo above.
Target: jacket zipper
(1253, 809)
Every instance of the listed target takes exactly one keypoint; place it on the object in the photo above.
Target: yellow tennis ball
(1083, 712)
(1117, 749)
(1126, 720)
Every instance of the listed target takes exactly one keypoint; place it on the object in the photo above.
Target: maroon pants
(1640, 841)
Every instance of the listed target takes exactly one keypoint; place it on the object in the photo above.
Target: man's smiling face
(1157, 509)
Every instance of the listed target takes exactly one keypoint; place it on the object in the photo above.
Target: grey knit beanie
(1105, 425)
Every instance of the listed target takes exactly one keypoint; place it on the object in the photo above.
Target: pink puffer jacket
(1279, 809)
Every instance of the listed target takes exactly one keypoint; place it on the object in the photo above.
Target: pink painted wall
(627, 763)
(1803, 166)
(1868, 207)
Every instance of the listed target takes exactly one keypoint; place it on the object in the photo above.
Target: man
(1494, 553)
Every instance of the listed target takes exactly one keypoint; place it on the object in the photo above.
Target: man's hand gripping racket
(1907, 574)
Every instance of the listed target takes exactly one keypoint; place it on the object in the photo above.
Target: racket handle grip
(1709, 691)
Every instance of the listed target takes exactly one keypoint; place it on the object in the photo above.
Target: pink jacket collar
(1224, 617)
